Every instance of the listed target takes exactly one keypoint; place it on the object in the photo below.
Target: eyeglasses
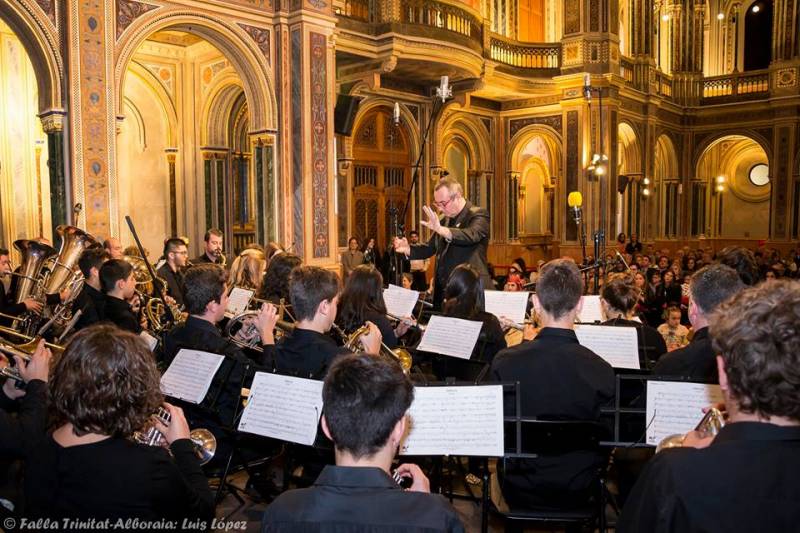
(442, 205)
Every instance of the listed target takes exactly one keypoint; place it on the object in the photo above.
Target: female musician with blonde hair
(103, 388)
(247, 270)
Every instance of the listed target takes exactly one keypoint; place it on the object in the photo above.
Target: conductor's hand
(178, 427)
(32, 305)
(39, 365)
(401, 246)
(372, 340)
(267, 318)
(420, 481)
(433, 219)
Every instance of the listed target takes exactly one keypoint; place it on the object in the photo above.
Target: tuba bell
(353, 343)
(73, 242)
(34, 256)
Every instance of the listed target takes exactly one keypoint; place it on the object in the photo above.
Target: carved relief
(319, 141)
(572, 16)
(554, 121)
(786, 78)
(368, 133)
(128, 11)
(49, 7)
(260, 36)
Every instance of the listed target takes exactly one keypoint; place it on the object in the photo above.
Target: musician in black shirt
(91, 301)
(308, 351)
(176, 255)
(745, 478)
(7, 304)
(559, 379)
(359, 494)
(119, 286)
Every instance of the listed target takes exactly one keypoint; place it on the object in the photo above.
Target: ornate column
(53, 126)
(513, 210)
(172, 154)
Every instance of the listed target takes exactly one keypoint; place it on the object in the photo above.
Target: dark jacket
(20, 434)
(92, 304)
(119, 313)
(8, 307)
(306, 354)
(174, 280)
(697, 361)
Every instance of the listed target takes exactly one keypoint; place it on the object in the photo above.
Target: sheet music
(283, 407)
(400, 302)
(237, 301)
(456, 421)
(190, 374)
(450, 336)
(511, 305)
(677, 406)
(591, 312)
(617, 345)
(151, 341)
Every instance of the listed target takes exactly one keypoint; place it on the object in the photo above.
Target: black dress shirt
(359, 500)
(119, 312)
(470, 239)
(650, 342)
(696, 361)
(20, 434)
(203, 258)
(307, 354)
(8, 307)
(746, 480)
(91, 303)
(174, 281)
(116, 478)
(559, 380)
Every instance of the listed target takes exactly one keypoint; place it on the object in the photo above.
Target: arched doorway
(631, 203)
(732, 189)
(666, 188)
(24, 176)
(757, 44)
(382, 161)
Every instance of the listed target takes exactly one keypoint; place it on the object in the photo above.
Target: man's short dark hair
(90, 258)
(620, 292)
(213, 231)
(203, 284)
(743, 261)
(559, 287)
(712, 285)
(3, 251)
(172, 244)
(364, 397)
(757, 334)
(413, 232)
(308, 287)
(113, 271)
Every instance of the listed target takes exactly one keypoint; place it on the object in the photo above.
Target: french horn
(712, 422)
(353, 343)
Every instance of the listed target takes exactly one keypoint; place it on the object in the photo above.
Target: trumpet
(12, 372)
(30, 344)
(352, 342)
(205, 443)
(712, 422)
(246, 336)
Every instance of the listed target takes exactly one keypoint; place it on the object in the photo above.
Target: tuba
(34, 256)
(712, 422)
(205, 443)
(73, 242)
(353, 343)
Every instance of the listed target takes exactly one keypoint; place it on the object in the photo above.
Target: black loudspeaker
(622, 183)
(344, 115)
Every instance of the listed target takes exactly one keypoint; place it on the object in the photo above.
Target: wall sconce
(598, 164)
(720, 184)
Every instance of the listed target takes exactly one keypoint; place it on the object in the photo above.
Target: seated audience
(710, 286)
(104, 388)
(675, 334)
(366, 400)
(745, 478)
(559, 379)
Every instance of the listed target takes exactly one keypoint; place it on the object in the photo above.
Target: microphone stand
(599, 235)
(398, 219)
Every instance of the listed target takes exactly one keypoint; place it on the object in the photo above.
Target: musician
(461, 236)
(119, 287)
(710, 286)
(745, 478)
(362, 301)
(275, 287)
(104, 388)
(618, 301)
(91, 301)
(308, 351)
(247, 270)
(176, 254)
(7, 305)
(559, 379)
(206, 299)
(114, 248)
(212, 250)
(19, 435)
(358, 493)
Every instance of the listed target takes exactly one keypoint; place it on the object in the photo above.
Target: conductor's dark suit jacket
(470, 229)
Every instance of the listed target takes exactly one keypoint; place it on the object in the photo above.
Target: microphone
(575, 201)
(587, 86)
(444, 91)
(396, 115)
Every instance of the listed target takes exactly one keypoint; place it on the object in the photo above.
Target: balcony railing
(522, 55)
(663, 84)
(734, 85)
(440, 15)
(626, 69)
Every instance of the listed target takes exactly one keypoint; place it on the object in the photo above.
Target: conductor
(460, 236)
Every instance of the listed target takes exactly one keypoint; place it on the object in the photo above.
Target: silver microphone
(587, 86)
(444, 91)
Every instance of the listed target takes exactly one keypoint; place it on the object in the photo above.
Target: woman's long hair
(362, 293)
(463, 296)
(247, 270)
(276, 279)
